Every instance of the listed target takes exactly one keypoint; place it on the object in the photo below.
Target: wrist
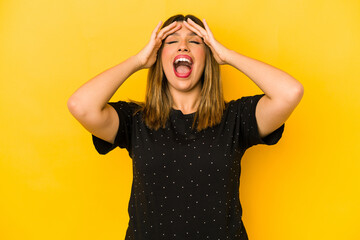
(136, 63)
(229, 56)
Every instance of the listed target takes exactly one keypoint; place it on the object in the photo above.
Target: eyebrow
(190, 34)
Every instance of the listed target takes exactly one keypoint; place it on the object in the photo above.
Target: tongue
(182, 69)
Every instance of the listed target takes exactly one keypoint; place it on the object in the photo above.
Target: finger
(203, 35)
(207, 28)
(168, 30)
(193, 29)
(157, 28)
(153, 34)
(198, 27)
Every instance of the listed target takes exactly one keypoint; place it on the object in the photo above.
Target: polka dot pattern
(186, 183)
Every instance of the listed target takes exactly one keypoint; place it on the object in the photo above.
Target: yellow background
(54, 185)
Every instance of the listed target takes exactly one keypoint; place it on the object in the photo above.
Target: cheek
(165, 55)
(200, 55)
(165, 58)
(200, 52)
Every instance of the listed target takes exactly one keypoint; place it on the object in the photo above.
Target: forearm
(94, 94)
(275, 83)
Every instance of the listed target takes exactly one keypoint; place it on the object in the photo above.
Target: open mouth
(182, 66)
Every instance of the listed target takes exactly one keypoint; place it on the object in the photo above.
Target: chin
(183, 85)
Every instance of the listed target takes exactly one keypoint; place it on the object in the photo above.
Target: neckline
(179, 113)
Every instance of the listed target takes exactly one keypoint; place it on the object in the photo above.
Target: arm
(89, 103)
(282, 92)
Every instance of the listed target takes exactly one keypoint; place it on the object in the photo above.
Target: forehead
(178, 34)
(183, 31)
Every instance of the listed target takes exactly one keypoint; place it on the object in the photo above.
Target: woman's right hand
(147, 56)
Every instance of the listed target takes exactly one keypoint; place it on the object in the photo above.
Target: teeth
(182, 59)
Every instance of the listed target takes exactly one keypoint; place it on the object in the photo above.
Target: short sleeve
(250, 135)
(125, 112)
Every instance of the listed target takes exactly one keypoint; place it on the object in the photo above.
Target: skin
(282, 92)
(185, 91)
(89, 104)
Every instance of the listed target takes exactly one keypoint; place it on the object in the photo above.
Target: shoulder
(243, 103)
(130, 107)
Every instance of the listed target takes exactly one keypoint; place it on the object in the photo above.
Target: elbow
(76, 108)
(296, 93)
(292, 94)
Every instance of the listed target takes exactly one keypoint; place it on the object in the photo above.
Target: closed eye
(176, 41)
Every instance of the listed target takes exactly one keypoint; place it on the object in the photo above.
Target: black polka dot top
(186, 183)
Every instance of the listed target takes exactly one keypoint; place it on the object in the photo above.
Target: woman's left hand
(219, 51)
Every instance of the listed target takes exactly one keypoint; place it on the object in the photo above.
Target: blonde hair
(158, 100)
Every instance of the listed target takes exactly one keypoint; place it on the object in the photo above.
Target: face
(183, 74)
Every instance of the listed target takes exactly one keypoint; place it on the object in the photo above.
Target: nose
(183, 47)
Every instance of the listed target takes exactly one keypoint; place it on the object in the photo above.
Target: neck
(186, 102)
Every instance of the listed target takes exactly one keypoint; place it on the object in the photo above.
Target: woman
(186, 143)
